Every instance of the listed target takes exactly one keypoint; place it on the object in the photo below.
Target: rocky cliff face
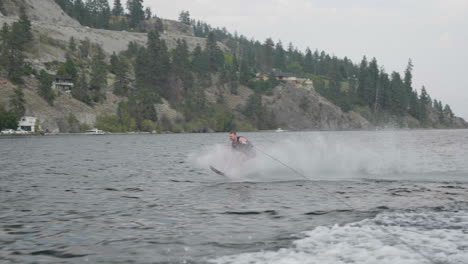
(50, 22)
(301, 108)
(45, 11)
(294, 107)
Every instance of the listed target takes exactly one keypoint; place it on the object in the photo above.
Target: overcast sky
(433, 33)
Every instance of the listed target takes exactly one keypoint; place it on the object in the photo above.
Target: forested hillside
(199, 84)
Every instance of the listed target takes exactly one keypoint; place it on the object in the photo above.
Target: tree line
(178, 76)
(14, 40)
(149, 74)
(350, 86)
(99, 14)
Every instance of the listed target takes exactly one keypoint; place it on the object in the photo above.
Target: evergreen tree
(79, 12)
(245, 74)
(142, 71)
(114, 63)
(200, 62)
(102, 12)
(399, 95)
(184, 17)
(142, 106)
(386, 95)
(4, 42)
(85, 48)
(17, 102)
(267, 55)
(80, 89)
(8, 119)
(158, 64)
(308, 62)
(72, 44)
(25, 25)
(424, 103)
(408, 79)
(117, 9)
(136, 12)
(98, 79)
(439, 110)
(148, 13)
(158, 25)
(13, 56)
(13, 42)
(425, 98)
(68, 68)
(132, 49)
(120, 68)
(181, 65)
(214, 54)
(362, 88)
(372, 84)
(414, 107)
(448, 113)
(153, 68)
(279, 62)
(45, 87)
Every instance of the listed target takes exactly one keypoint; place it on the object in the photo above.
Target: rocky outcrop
(111, 41)
(301, 108)
(46, 11)
(459, 122)
(294, 107)
(178, 28)
(53, 28)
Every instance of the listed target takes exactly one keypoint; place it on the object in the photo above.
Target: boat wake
(405, 237)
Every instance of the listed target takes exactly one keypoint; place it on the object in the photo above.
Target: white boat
(95, 131)
(20, 131)
(8, 132)
(280, 130)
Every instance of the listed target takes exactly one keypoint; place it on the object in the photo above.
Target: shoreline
(258, 131)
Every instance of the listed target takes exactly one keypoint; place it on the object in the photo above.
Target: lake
(307, 197)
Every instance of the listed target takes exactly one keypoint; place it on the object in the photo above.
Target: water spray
(343, 202)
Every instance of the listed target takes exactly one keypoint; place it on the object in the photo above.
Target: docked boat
(95, 131)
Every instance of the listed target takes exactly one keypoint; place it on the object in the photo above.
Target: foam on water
(413, 237)
(223, 158)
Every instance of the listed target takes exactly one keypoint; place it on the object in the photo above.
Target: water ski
(217, 171)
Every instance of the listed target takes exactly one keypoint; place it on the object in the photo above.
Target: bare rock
(301, 108)
(45, 11)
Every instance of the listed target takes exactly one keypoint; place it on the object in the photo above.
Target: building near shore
(28, 123)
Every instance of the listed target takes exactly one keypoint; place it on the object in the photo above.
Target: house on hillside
(62, 83)
(283, 76)
(28, 123)
(261, 77)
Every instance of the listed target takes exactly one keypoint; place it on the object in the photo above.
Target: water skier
(242, 145)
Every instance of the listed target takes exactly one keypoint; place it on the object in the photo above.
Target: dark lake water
(307, 197)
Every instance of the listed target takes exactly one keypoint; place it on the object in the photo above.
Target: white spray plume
(318, 157)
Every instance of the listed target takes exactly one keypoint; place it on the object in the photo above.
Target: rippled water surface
(307, 197)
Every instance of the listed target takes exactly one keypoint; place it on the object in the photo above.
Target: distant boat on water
(94, 131)
(280, 130)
